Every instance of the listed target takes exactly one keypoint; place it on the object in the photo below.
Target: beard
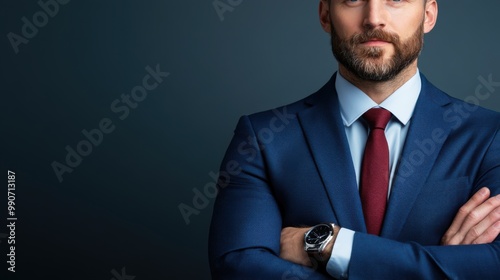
(368, 63)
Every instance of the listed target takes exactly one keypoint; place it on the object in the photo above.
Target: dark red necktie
(375, 170)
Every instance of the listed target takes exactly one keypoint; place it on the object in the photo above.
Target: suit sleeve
(245, 231)
(378, 258)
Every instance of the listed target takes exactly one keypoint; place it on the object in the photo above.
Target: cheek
(345, 29)
(405, 26)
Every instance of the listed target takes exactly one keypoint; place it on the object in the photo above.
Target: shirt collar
(354, 102)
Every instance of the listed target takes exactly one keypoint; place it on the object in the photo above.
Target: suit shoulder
(466, 113)
(286, 111)
(475, 114)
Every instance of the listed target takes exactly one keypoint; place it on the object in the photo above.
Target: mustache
(375, 34)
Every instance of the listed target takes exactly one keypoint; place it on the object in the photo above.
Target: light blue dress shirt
(353, 104)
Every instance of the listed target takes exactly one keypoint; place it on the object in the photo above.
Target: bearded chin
(369, 64)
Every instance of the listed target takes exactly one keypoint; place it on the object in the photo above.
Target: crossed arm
(252, 250)
(477, 222)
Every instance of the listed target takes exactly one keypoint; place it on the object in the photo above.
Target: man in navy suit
(293, 200)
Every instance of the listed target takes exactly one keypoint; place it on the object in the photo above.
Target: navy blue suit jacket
(291, 166)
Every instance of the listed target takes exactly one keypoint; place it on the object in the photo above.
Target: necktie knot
(377, 118)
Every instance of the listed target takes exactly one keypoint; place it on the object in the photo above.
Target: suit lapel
(417, 158)
(325, 134)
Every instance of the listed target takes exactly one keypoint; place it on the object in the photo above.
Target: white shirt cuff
(338, 264)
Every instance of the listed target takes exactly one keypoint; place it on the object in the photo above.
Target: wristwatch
(316, 239)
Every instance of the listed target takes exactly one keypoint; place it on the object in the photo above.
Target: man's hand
(477, 221)
(292, 246)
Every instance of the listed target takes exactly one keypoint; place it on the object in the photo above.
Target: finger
(480, 219)
(476, 200)
(487, 230)
(489, 235)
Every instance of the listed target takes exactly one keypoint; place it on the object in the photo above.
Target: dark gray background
(119, 207)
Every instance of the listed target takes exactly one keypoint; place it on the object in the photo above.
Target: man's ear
(431, 14)
(324, 15)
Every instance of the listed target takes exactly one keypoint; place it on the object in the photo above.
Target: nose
(375, 14)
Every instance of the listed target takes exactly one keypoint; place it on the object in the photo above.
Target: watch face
(318, 234)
